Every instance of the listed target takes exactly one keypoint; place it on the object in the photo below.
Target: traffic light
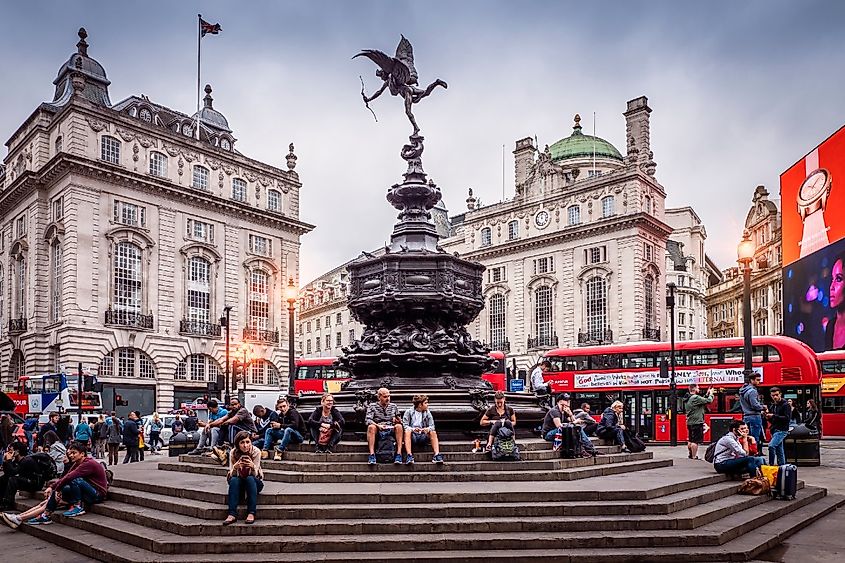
(119, 401)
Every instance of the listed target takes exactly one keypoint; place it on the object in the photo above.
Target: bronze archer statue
(399, 74)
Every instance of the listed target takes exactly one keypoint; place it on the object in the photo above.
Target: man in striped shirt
(383, 420)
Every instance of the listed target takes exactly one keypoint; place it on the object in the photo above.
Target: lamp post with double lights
(745, 254)
(291, 294)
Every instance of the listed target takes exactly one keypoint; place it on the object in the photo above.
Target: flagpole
(199, 43)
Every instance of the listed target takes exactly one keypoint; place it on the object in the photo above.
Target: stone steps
(425, 455)
(711, 534)
(583, 468)
(446, 446)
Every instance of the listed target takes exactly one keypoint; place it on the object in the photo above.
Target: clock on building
(187, 130)
(541, 219)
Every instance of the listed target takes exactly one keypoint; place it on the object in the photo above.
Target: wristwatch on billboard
(812, 197)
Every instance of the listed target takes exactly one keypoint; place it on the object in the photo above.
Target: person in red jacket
(85, 483)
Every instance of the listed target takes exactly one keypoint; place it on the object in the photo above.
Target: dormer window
(145, 115)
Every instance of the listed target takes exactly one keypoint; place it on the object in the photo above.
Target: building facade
(724, 299)
(577, 256)
(125, 234)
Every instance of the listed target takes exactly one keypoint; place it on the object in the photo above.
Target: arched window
(486, 236)
(198, 367)
(127, 363)
(259, 300)
(127, 280)
(158, 164)
(56, 281)
(274, 200)
(608, 206)
(263, 372)
(650, 314)
(596, 307)
(17, 365)
(200, 177)
(543, 315)
(238, 189)
(573, 215)
(496, 321)
(199, 290)
(110, 149)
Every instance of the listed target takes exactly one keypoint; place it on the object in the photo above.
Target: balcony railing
(198, 328)
(260, 335)
(548, 341)
(595, 337)
(17, 326)
(651, 333)
(501, 345)
(128, 318)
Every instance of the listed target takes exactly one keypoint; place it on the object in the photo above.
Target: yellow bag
(770, 472)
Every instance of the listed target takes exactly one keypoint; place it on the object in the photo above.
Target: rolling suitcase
(570, 446)
(786, 482)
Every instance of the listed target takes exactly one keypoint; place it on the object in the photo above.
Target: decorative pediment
(259, 263)
(541, 279)
(493, 288)
(54, 230)
(203, 249)
(593, 270)
(19, 247)
(126, 233)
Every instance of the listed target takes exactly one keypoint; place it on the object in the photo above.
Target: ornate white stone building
(724, 299)
(578, 256)
(124, 236)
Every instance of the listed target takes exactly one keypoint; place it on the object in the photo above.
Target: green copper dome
(580, 145)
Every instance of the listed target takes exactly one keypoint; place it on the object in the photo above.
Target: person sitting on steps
(211, 429)
(418, 424)
(239, 419)
(538, 384)
(263, 418)
(497, 416)
(326, 420)
(562, 415)
(290, 429)
(245, 477)
(382, 420)
(610, 427)
(731, 455)
(584, 417)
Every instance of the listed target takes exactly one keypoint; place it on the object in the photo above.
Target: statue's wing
(405, 53)
(386, 62)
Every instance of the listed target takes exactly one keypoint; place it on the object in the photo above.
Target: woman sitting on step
(245, 477)
(610, 427)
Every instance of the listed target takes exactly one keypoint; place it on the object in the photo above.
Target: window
(274, 200)
(145, 115)
(130, 214)
(596, 307)
(650, 314)
(543, 315)
(2, 298)
(58, 144)
(682, 319)
(158, 164)
(608, 206)
(17, 365)
(199, 290)
(496, 321)
(486, 236)
(595, 255)
(56, 286)
(20, 302)
(496, 275)
(131, 363)
(544, 265)
(647, 205)
(263, 372)
(339, 319)
(238, 189)
(648, 252)
(352, 336)
(761, 327)
(200, 177)
(318, 343)
(125, 362)
(110, 149)
(20, 226)
(308, 346)
(328, 342)
(58, 208)
(146, 370)
(513, 230)
(318, 324)
(682, 300)
(127, 278)
(308, 326)
(259, 245)
(200, 230)
(338, 340)
(259, 300)
(573, 215)
(328, 321)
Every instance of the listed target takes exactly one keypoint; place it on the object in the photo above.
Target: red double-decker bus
(833, 392)
(630, 373)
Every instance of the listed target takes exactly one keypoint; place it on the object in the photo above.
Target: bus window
(733, 356)
(704, 357)
(638, 360)
(51, 383)
(574, 363)
(772, 354)
(335, 373)
(308, 372)
(833, 366)
(757, 354)
(833, 404)
(606, 361)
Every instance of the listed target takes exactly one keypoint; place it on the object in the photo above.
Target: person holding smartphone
(245, 477)
(732, 452)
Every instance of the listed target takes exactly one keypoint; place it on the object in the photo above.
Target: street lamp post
(745, 254)
(224, 320)
(291, 295)
(673, 387)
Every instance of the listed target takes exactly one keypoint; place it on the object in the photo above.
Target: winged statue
(400, 76)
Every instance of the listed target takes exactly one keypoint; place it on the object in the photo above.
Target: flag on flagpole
(212, 28)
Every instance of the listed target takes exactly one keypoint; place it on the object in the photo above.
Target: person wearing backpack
(561, 419)
(101, 434)
(694, 410)
(83, 433)
(156, 426)
(115, 437)
(56, 450)
(498, 416)
(384, 425)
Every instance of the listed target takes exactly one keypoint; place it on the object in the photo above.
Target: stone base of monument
(457, 412)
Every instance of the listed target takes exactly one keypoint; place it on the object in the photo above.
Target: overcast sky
(740, 90)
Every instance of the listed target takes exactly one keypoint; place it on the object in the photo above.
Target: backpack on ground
(786, 482)
(754, 486)
(504, 446)
(385, 446)
(46, 467)
(633, 442)
(570, 445)
(710, 453)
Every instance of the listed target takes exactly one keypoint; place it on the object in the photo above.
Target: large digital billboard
(813, 238)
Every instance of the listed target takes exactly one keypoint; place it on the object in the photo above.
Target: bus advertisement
(833, 392)
(42, 394)
(599, 375)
